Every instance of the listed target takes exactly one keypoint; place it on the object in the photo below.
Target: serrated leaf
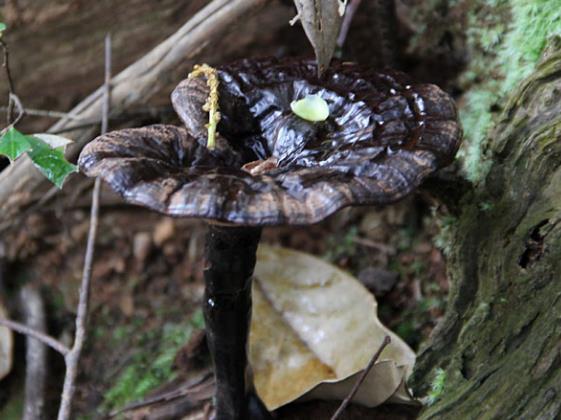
(321, 20)
(51, 162)
(14, 143)
(56, 142)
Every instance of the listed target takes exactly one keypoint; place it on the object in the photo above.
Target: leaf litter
(166, 287)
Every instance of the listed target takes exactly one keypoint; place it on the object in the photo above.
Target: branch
(35, 354)
(11, 88)
(361, 379)
(131, 87)
(72, 359)
(347, 20)
(44, 113)
(44, 338)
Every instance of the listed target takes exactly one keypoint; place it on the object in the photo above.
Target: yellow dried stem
(211, 104)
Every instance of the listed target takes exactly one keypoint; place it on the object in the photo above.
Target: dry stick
(130, 87)
(361, 379)
(36, 370)
(346, 24)
(45, 113)
(72, 359)
(44, 338)
(11, 88)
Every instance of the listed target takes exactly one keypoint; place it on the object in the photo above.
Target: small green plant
(486, 206)
(443, 239)
(437, 386)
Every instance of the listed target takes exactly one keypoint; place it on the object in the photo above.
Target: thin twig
(154, 112)
(44, 338)
(125, 116)
(14, 100)
(36, 370)
(73, 358)
(373, 244)
(11, 88)
(361, 379)
(46, 113)
(346, 24)
(183, 391)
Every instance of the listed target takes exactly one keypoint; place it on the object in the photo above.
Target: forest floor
(145, 334)
(145, 328)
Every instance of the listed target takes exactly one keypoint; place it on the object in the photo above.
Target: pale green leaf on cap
(311, 108)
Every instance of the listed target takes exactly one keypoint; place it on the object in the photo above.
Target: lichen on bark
(499, 341)
(500, 43)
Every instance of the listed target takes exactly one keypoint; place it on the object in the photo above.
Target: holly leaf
(53, 140)
(50, 161)
(14, 143)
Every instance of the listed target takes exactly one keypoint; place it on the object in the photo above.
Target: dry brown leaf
(6, 346)
(321, 20)
(314, 327)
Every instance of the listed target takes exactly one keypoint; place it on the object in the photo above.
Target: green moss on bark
(501, 42)
(505, 40)
(499, 340)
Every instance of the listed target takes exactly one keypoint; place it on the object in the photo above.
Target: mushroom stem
(230, 260)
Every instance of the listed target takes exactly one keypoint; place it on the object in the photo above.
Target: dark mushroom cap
(384, 135)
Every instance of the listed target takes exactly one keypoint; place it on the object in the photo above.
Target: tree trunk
(500, 341)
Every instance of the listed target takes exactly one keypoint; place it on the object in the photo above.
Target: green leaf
(13, 144)
(51, 162)
(56, 142)
(2, 27)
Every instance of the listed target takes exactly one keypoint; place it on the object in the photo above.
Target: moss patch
(152, 365)
(436, 387)
(505, 40)
(496, 44)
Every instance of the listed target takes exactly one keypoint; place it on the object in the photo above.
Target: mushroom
(383, 135)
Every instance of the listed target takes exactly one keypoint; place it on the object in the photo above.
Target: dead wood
(21, 184)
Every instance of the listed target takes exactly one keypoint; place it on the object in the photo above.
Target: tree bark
(500, 341)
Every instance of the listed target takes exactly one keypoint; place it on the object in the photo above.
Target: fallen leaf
(6, 346)
(321, 20)
(314, 329)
